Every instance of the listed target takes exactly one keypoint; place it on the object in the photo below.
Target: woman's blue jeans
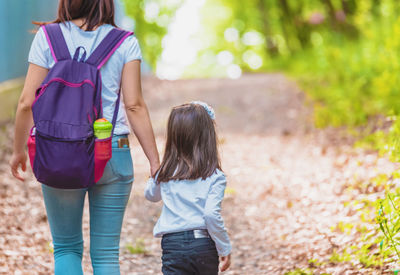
(107, 203)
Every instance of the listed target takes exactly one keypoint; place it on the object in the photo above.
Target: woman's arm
(24, 120)
(138, 114)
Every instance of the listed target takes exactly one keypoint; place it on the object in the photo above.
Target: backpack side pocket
(102, 154)
(31, 149)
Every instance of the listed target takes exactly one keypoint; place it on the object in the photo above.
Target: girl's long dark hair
(191, 149)
(94, 12)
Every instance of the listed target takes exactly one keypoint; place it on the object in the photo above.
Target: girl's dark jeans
(185, 255)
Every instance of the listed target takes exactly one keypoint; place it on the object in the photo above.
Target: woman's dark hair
(94, 12)
(191, 149)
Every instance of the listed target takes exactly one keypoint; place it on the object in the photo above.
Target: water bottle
(102, 128)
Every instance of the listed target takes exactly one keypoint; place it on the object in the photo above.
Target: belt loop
(200, 233)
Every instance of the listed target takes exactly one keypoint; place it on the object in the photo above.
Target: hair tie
(207, 107)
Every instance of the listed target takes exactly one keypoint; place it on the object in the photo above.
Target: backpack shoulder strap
(56, 41)
(107, 47)
(115, 115)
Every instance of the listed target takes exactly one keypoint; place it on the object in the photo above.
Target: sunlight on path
(179, 49)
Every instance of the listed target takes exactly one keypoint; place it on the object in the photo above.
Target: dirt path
(285, 191)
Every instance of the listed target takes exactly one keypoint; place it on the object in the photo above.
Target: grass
(138, 248)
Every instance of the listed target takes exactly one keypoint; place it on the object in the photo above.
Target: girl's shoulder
(218, 175)
(219, 172)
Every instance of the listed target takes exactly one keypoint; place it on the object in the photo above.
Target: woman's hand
(18, 159)
(225, 263)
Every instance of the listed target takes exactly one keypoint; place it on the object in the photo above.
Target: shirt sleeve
(213, 218)
(133, 51)
(153, 191)
(39, 53)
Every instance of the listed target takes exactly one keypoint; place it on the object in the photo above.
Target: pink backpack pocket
(102, 154)
(32, 147)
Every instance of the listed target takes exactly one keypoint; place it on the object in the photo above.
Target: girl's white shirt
(191, 204)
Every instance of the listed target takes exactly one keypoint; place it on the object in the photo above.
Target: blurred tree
(271, 46)
(151, 24)
(266, 29)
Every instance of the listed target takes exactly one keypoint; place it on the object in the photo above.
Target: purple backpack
(63, 150)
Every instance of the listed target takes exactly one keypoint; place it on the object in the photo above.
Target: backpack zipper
(38, 133)
(66, 83)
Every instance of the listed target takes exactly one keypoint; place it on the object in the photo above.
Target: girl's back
(188, 202)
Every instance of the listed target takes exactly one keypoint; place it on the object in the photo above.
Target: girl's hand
(18, 159)
(225, 262)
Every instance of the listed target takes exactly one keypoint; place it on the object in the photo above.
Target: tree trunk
(266, 29)
(349, 6)
(286, 22)
(296, 32)
(331, 11)
(302, 28)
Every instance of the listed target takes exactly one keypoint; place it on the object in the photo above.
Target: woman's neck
(80, 23)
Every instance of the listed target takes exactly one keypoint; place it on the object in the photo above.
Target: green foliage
(377, 228)
(138, 248)
(315, 263)
(50, 247)
(151, 23)
(388, 218)
(355, 82)
(299, 271)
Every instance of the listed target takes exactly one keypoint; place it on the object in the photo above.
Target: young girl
(191, 184)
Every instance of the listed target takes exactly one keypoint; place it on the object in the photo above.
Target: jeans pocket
(207, 263)
(119, 168)
(122, 164)
(204, 244)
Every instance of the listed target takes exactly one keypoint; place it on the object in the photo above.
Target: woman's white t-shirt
(111, 72)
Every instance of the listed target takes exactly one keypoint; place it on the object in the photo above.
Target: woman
(85, 23)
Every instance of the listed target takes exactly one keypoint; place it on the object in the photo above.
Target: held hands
(153, 168)
(224, 262)
(18, 159)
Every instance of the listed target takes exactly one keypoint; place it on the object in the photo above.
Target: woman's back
(129, 50)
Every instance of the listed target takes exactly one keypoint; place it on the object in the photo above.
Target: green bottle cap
(102, 128)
